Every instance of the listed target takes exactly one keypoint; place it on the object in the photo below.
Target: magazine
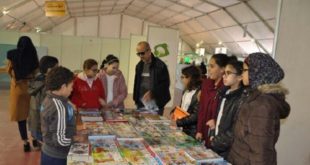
(91, 118)
(79, 162)
(79, 152)
(104, 150)
(201, 155)
(123, 130)
(170, 155)
(97, 128)
(111, 115)
(135, 151)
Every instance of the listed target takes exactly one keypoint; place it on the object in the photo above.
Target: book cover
(180, 139)
(200, 154)
(79, 149)
(179, 113)
(111, 115)
(135, 151)
(97, 128)
(170, 155)
(91, 118)
(79, 162)
(123, 130)
(104, 150)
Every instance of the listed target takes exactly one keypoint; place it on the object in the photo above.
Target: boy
(37, 92)
(57, 117)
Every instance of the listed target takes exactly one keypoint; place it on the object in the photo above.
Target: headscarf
(263, 69)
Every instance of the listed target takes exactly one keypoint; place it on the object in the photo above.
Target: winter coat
(119, 88)
(224, 138)
(207, 107)
(37, 92)
(257, 126)
(84, 96)
(189, 123)
(19, 99)
(160, 83)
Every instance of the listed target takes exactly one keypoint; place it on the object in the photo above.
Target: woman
(209, 99)
(114, 82)
(257, 126)
(88, 92)
(22, 65)
(191, 79)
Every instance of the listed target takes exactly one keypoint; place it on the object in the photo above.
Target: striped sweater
(57, 125)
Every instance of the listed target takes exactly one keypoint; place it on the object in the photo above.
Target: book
(79, 162)
(135, 151)
(200, 155)
(79, 152)
(180, 139)
(123, 130)
(91, 118)
(89, 111)
(170, 155)
(179, 113)
(104, 150)
(111, 115)
(97, 128)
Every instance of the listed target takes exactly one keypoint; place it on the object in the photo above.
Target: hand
(211, 124)
(198, 96)
(102, 102)
(199, 136)
(211, 138)
(147, 96)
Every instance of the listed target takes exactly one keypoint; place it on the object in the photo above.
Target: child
(114, 82)
(191, 79)
(88, 92)
(57, 117)
(208, 99)
(228, 108)
(257, 126)
(37, 92)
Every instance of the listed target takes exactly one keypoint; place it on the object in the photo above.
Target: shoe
(27, 147)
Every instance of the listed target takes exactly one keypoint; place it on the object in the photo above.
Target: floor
(11, 145)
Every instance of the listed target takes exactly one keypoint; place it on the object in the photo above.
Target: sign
(55, 8)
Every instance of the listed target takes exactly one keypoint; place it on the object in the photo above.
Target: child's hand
(211, 138)
(199, 136)
(147, 96)
(102, 102)
(211, 124)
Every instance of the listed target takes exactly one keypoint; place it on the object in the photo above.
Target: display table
(133, 137)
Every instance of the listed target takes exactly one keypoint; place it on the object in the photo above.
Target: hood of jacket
(278, 92)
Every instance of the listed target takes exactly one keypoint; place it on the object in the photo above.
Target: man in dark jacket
(151, 80)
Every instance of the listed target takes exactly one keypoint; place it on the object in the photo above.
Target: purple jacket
(119, 88)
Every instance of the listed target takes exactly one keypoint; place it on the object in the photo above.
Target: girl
(208, 98)
(113, 81)
(37, 92)
(88, 92)
(257, 127)
(22, 65)
(228, 108)
(191, 79)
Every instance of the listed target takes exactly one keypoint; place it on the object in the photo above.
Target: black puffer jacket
(160, 83)
(223, 140)
(189, 123)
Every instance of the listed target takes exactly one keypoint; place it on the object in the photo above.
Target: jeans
(47, 160)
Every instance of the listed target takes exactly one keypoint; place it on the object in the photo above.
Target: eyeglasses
(142, 53)
(227, 73)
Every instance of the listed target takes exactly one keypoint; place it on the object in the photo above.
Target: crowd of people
(235, 109)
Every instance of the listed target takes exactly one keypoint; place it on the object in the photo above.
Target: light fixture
(38, 29)
(252, 40)
(5, 11)
(220, 43)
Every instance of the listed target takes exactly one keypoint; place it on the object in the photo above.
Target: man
(151, 80)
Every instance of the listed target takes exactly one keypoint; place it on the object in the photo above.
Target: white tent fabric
(243, 26)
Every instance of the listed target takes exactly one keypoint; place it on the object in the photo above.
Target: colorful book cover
(79, 162)
(180, 139)
(123, 130)
(169, 155)
(97, 128)
(104, 150)
(79, 152)
(135, 151)
(91, 118)
(201, 155)
(111, 115)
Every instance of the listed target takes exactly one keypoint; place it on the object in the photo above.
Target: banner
(55, 8)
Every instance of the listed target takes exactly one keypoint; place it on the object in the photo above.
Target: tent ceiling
(235, 23)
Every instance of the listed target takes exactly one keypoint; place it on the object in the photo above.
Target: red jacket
(208, 106)
(84, 96)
